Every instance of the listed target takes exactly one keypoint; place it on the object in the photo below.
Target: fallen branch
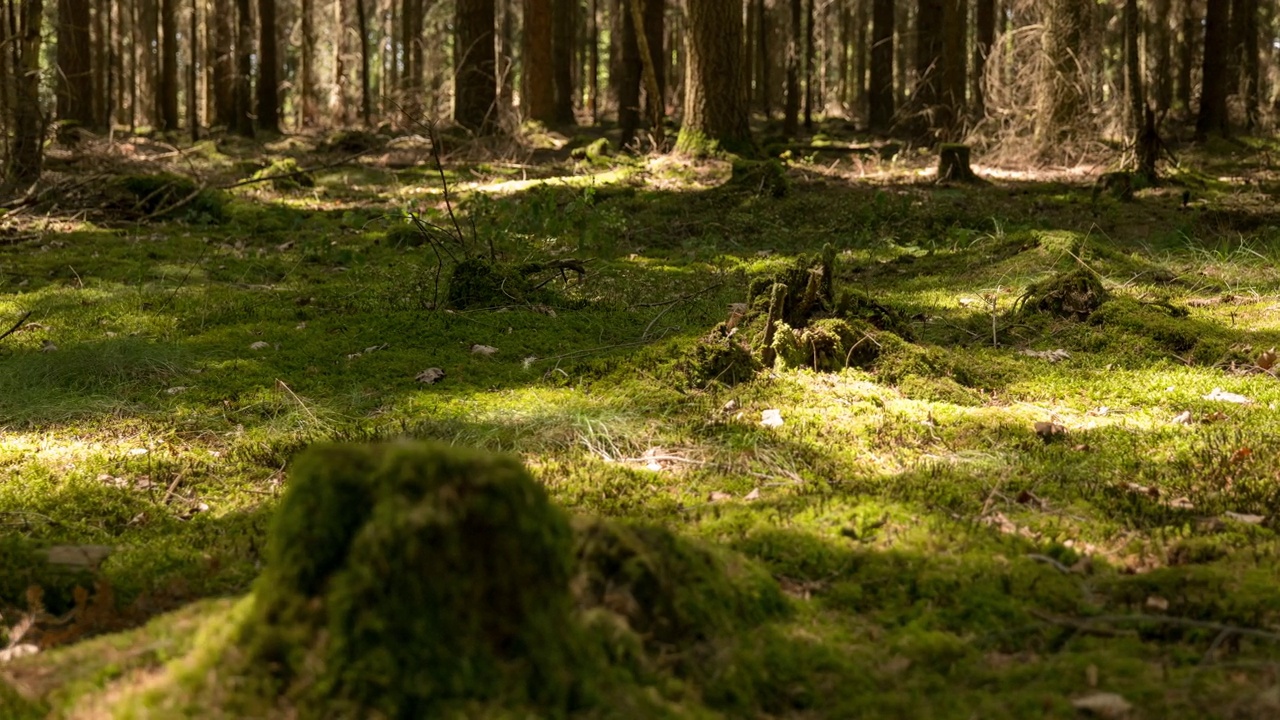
(295, 173)
(16, 325)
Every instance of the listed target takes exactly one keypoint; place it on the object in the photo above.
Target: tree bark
(808, 65)
(1212, 117)
(715, 103)
(307, 73)
(593, 61)
(243, 121)
(1243, 74)
(193, 85)
(538, 96)
(168, 90)
(926, 102)
(224, 65)
(625, 73)
(475, 84)
(1061, 100)
(563, 35)
(75, 76)
(880, 95)
(26, 158)
(953, 74)
(268, 64)
(1188, 37)
(655, 31)
(1133, 70)
(763, 59)
(1159, 77)
(984, 37)
(366, 93)
(791, 109)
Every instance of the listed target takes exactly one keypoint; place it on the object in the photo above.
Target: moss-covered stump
(719, 357)
(953, 164)
(137, 197)
(285, 175)
(403, 577)
(1073, 295)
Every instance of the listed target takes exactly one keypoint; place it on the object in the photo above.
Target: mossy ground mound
(285, 175)
(479, 283)
(1072, 295)
(410, 580)
(135, 197)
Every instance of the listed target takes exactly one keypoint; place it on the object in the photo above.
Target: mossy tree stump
(953, 164)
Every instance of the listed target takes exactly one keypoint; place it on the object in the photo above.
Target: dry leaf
(430, 376)
(47, 346)
(719, 497)
(260, 345)
(1245, 518)
(76, 556)
(1267, 360)
(753, 495)
(771, 418)
(1220, 394)
(17, 651)
(1155, 602)
(1103, 705)
(1182, 418)
(1052, 356)
(485, 350)
(177, 389)
(729, 406)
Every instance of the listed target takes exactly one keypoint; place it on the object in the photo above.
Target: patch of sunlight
(513, 186)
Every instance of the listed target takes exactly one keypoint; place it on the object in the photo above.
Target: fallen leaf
(529, 361)
(430, 376)
(771, 418)
(177, 389)
(1267, 359)
(260, 345)
(1245, 518)
(485, 350)
(1052, 356)
(47, 346)
(18, 651)
(719, 497)
(1220, 394)
(1155, 602)
(1182, 418)
(1103, 705)
(1049, 431)
(729, 406)
(753, 495)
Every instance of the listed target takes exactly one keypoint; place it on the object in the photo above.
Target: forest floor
(1034, 514)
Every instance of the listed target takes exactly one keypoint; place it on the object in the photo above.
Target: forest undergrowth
(1017, 457)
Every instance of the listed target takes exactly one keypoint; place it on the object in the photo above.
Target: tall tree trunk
(26, 161)
(506, 56)
(927, 106)
(648, 73)
(538, 96)
(984, 37)
(268, 65)
(953, 78)
(149, 88)
(475, 85)
(795, 39)
(193, 89)
(1133, 69)
(101, 65)
(243, 124)
(861, 54)
(366, 94)
(808, 65)
(1212, 117)
(1060, 102)
(626, 71)
(563, 26)
(764, 61)
(307, 73)
(1159, 75)
(75, 74)
(168, 90)
(880, 96)
(715, 103)
(1188, 37)
(224, 66)
(593, 60)
(655, 30)
(1243, 74)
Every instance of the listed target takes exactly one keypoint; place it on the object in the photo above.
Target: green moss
(760, 177)
(163, 194)
(284, 174)
(938, 389)
(1074, 295)
(477, 283)
(597, 152)
(828, 344)
(719, 357)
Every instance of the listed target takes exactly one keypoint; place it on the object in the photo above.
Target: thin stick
(295, 173)
(297, 399)
(16, 325)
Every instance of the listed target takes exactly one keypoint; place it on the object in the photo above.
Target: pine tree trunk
(1060, 103)
(538, 96)
(984, 37)
(26, 158)
(1159, 78)
(655, 30)
(808, 65)
(763, 60)
(563, 26)
(880, 95)
(927, 107)
(1187, 40)
(193, 85)
(953, 74)
(475, 85)
(715, 102)
(1133, 70)
(593, 61)
(795, 39)
(75, 74)
(1212, 117)
(243, 121)
(625, 73)
(224, 65)
(648, 73)
(307, 73)
(147, 80)
(268, 68)
(1243, 75)
(366, 93)
(168, 90)
(101, 64)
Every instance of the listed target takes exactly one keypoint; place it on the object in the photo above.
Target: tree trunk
(99, 44)
(243, 124)
(193, 89)
(307, 73)
(148, 87)
(224, 66)
(27, 157)
(1061, 100)
(763, 59)
(1213, 96)
(1243, 74)
(984, 37)
(927, 107)
(75, 76)
(366, 94)
(880, 96)
(268, 63)
(857, 91)
(475, 85)
(1188, 36)
(648, 74)
(168, 90)
(538, 95)
(593, 61)
(1133, 70)
(808, 65)
(795, 38)
(1159, 78)
(625, 73)
(655, 30)
(953, 76)
(563, 26)
(715, 103)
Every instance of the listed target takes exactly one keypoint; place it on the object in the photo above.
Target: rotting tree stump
(953, 164)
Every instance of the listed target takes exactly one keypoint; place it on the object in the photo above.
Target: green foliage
(285, 175)
(1073, 295)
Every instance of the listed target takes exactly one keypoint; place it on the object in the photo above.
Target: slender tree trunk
(1061, 99)
(1133, 69)
(1212, 117)
(927, 104)
(224, 65)
(149, 85)
(795, 38)
(593, 61)
(715, 102)
(475, 85)
(1243, 74)
(538, 97)
(193, 90)
(307, 73)
(861, 55)
(75, 76)
(764, 60)
(563, 26)
(655, 30)
(1159, 75)
(101, 65)
(880, 96)
(243, 124)
(168, 90)
(808, 65)
(366, 93)
(984, 37)
(953, 78)
(648, 73)
(626, 71)
(268, 63)
(26, 161)
(506, 56)
(1189, 36)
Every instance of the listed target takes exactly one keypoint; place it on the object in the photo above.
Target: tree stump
(953, 164)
